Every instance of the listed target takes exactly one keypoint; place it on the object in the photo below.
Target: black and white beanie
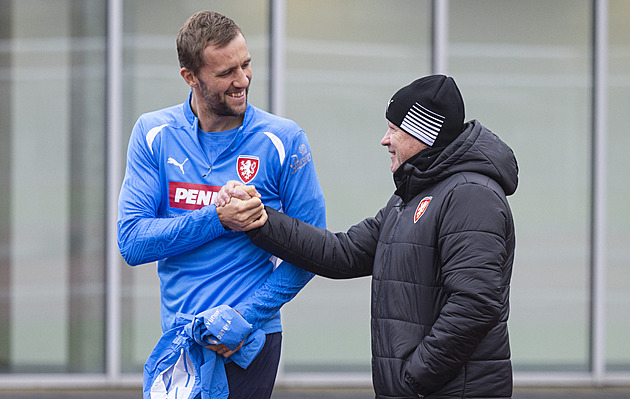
(431, 109)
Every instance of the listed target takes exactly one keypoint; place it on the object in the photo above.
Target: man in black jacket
(440, 252)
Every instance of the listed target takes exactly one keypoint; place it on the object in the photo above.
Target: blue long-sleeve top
(166, 212)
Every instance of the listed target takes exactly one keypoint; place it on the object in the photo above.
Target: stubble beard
(217, 106)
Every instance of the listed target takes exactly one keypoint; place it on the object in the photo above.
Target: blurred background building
(552, 78)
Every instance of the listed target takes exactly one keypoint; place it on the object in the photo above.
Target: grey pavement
(285, 393)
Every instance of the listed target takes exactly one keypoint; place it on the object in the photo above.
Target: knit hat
(431, 109)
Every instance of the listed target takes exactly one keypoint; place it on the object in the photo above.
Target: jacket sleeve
(472, 238)
(332, 255)
(301, 196)
(143, 236)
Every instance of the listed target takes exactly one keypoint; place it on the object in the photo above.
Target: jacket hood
(476, 149)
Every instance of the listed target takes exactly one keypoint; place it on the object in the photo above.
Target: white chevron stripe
(151, 135)
(423, 123)
(279, 146)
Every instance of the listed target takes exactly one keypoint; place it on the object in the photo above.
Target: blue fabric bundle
(181, 367)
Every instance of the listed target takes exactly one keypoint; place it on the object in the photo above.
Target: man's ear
(189, 77)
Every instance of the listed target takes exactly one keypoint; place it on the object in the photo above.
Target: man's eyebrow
(228, 70)
(225, 71)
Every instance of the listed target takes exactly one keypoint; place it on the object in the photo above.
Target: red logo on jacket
(247, 167)
(422, 207)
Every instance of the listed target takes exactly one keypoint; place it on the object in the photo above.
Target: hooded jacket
(440, 254)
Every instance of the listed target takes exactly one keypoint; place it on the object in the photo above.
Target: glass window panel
(53, 85)
(152, 81)
(618, 250)
(525, 74)
(344, 62)
(6, 22)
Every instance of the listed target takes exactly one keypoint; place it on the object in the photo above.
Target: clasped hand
(239, 207)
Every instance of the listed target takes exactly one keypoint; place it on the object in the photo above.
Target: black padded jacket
(440, 254)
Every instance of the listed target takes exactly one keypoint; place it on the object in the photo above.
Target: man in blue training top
(178, 158)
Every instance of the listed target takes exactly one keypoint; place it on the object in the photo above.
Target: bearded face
(222, 83)
(227, 103)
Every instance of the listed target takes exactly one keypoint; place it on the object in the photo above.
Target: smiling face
(220, 87)
(400, 145)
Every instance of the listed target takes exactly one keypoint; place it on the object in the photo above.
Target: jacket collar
(476, 149)
(430, 167)
(193, 122)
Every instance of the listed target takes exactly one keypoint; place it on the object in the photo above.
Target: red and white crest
(422, 207)
(247, 167)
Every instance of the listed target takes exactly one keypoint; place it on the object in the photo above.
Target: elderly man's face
(400, 145)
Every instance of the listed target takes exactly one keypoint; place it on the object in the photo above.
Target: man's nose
(242, 80)
(385, 140)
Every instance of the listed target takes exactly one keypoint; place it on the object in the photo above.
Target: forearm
(143, 240)
(445, 350)
(283, 285)
(316, 249)
(474, 306)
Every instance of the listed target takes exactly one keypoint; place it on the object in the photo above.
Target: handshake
(239, 207)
